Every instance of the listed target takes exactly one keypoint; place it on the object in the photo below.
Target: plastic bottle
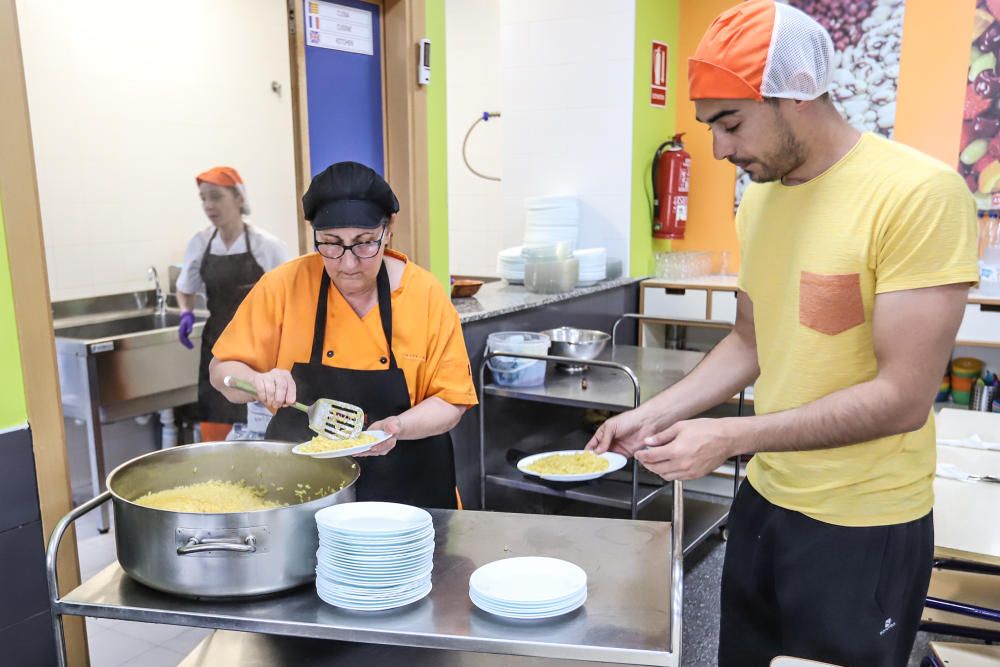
(989, 265)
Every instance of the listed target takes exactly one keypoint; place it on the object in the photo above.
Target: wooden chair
(948, 654)
(969, 588)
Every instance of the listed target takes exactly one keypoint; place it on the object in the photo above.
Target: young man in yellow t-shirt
(857, 254)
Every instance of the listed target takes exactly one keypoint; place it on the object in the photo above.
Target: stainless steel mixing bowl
(582, 344)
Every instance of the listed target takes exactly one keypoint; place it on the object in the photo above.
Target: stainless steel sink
(127, 326)
(116, 363)
(125, 367)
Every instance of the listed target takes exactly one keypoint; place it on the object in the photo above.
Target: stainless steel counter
(626, 620)
(607, 388)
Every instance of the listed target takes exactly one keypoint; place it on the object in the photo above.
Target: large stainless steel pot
(226, 554)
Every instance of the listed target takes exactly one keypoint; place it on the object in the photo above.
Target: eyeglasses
(363, 250)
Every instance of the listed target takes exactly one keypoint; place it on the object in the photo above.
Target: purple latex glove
(184, 330)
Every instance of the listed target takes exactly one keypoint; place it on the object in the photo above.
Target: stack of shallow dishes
(374, 556)
(510, 265)
(528, 588)
(593, 265)
(551, 220)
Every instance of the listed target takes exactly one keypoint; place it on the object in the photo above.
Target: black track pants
(795, 586)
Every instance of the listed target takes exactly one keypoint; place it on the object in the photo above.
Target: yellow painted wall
(437, 143)
(13, 409)
(933, 66)
(654, 20)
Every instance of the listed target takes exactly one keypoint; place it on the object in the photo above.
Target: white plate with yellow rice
(571, 465)
(326, 448)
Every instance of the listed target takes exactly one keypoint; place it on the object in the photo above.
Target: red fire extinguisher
(671, 182)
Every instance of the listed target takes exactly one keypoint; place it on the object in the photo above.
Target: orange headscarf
(226, 177)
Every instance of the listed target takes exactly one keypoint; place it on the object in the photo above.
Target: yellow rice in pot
(212, 497)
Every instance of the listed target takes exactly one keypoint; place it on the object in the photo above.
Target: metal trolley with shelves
(632, 615)
(620, 379)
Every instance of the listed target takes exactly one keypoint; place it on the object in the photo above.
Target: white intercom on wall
(424, 64)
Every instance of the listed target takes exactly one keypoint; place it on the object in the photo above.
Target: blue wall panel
(344, 93)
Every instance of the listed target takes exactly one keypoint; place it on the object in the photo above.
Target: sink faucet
(161, 299)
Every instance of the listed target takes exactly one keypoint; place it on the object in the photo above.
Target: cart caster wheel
(724, 534)
(104, 531)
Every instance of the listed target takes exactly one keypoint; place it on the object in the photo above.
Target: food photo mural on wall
(979, 159)
(867, 35)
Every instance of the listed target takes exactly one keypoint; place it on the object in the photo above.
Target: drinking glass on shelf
(704, 264)
(687, 264)
(724, 263)
(661, 264)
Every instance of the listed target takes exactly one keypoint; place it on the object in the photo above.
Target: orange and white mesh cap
(761, 48)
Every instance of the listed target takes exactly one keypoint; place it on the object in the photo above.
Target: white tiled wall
(567, 92)
(128, 102)
(560, 72)
(475, 232)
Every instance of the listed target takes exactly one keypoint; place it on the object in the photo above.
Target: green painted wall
(13, 409)
(657, 20)
(437, 142)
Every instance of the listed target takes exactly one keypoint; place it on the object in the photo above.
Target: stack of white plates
(551, 220)
(593, 265)
(510, 265)
(374, 556)
(528, 588)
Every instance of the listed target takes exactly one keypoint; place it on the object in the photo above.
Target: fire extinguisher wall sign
(671, 185)
(658, 76)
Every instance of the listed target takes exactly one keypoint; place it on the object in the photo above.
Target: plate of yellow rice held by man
(327, 448)
(571, 465)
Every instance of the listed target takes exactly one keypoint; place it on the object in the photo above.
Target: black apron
(415, 472)
(228, 279)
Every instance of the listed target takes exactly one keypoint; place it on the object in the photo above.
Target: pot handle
(247, 545)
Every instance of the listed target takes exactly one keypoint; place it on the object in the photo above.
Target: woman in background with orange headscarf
(224, 260)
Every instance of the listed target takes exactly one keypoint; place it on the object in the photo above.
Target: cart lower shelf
(251, 650)
(702, 516)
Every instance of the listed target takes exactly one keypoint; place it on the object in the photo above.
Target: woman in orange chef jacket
(360, 323)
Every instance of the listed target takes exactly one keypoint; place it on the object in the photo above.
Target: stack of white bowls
(593, 265)
(374, 556)
(551, 220)
(510, 265)
(528, 588)
(548, 222)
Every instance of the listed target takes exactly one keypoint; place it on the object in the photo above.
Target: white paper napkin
(972, 442)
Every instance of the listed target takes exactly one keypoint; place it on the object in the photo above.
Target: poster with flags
(338, 27)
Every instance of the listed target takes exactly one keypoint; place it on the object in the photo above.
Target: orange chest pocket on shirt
(830, 304)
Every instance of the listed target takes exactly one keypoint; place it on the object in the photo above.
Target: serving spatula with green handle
(329, 418)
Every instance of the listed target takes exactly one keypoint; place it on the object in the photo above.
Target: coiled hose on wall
(482, 119)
